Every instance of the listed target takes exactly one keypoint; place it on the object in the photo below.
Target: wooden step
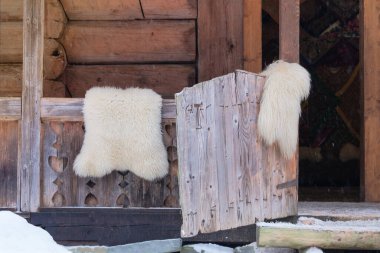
(308, 232)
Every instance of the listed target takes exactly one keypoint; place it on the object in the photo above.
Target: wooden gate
(228, 178)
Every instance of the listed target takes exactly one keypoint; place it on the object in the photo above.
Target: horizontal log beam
(10, 108)
(326, 236)
(11, 42)
(70, 109)
(163, 9)
(102, 10)
(130, 9)
(131, 42)
(163, 79)
(11, 10)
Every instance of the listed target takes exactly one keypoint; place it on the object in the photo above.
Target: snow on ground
(18, 236)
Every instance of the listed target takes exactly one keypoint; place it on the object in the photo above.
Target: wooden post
(31, 98)
(252, 36)
(289, 30)
(220, 37)
(370, 57)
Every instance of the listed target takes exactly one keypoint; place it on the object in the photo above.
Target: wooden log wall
(119, 43)
(156, 44)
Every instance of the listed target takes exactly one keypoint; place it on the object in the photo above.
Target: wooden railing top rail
(64, 109)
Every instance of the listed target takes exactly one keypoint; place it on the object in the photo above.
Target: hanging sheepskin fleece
(287, 84)
(123, 132)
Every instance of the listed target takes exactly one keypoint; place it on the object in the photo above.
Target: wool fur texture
(286, 85)
(123, 132)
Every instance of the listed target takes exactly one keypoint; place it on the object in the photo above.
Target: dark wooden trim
(115, 226)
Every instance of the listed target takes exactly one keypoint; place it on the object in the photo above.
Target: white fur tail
(287, 84)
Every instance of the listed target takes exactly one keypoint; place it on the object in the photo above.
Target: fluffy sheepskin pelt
(286, 85)
(123, 132)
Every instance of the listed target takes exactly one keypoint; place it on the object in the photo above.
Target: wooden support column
(31, 98)
(220, 37)
(252, 35)
(370, 58)
(289, 30)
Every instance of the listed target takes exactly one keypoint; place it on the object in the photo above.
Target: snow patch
(18, 236)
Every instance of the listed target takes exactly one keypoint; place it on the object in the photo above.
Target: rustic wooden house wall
(156, 44)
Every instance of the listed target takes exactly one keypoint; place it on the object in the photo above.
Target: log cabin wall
(155, 44)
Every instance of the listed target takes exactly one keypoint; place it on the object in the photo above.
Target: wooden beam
(70, 109)
(102, 10)
(11, 42)
(165, 79)
(10, 108)
(33, 37)
(340, 210)
(163, 9)
(370, 62)
(252, 36)
(134, 41)
(220, 37)
(11, 10)
(55, 60)
(289, 18)
(321, 235)
(109, 226)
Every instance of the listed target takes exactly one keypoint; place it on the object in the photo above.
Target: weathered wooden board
(70, 109)
(220, 37)
(61, 187)
(134, 41)
(10, 108)
(340, 210)
(10, 80)
(130, 9)
(326, 235)
(8, 163)
(252, 35)
(102, 10)
(289, 24)
(33, 36)
(163, 9)
(228, 178)
(370, 51)
(11, 42)
(11, 10)
(164, 79)
(55, 19)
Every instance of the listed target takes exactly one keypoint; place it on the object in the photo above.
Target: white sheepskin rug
(287, 84)
(123, 132)
(18, 236)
